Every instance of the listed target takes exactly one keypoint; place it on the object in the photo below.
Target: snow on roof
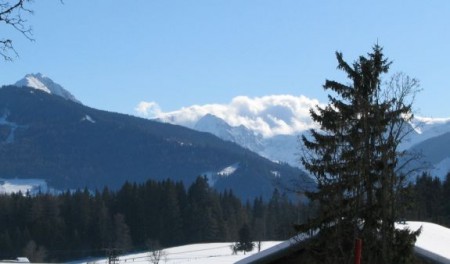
(432, 243)
(275, 250)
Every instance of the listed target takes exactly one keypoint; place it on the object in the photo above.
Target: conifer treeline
(430, 199)
(78, 224)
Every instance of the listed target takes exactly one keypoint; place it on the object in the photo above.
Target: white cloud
(268, 115)
(431, 120)
(148, 109)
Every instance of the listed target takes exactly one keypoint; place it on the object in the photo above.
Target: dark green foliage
(34, 253)
(245, 242)
(354, 157)
(78, 224)
(428, 193)
(430, 200)
(404, 244)
(204, 221)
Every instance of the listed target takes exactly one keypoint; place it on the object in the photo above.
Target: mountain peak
(237, 134)
(208, 121)
(41, 82)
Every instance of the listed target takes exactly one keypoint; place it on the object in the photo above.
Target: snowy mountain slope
(428, 136)
(425, 128)
(40, 82)
(279, 148)
(214, 176)
(8, 129)
(270, 125)
(282, 148)
(435, 153)
(441, 168)
(239, 135)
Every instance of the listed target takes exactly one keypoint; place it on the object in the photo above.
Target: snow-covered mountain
(426, 128)
(271, 125)
(40, 82)
(286, 148)
(239, 135)
(280, 148)
(283, 148)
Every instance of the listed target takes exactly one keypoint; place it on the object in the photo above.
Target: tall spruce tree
(354, 157)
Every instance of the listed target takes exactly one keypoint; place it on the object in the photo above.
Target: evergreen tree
(245, 242)
(233, 215)
(354, 157)
(446, 200)
(204, 221)
(78, 224)
(259, 219)
(429, 200)
(123, 241)
(171, 224)
(34, 252)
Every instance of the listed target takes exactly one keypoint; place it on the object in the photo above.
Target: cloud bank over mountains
(268, 115)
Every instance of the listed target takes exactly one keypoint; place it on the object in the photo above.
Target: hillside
(435, 153)
(428, 137)
(69, 145)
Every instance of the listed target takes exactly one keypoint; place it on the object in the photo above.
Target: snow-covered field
(433, 242)
(217, 253)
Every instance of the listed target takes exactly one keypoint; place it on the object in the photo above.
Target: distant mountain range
(279, 148)
(45, 133)
(429, 137)
(435, 154)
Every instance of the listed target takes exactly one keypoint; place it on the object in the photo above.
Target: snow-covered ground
(217, 253)
(433, 242)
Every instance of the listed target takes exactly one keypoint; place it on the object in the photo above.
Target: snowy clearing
(33, 186)
(218, 253)
(88, 118)
(229, 170)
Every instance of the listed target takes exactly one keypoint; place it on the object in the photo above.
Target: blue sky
(114, 54)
